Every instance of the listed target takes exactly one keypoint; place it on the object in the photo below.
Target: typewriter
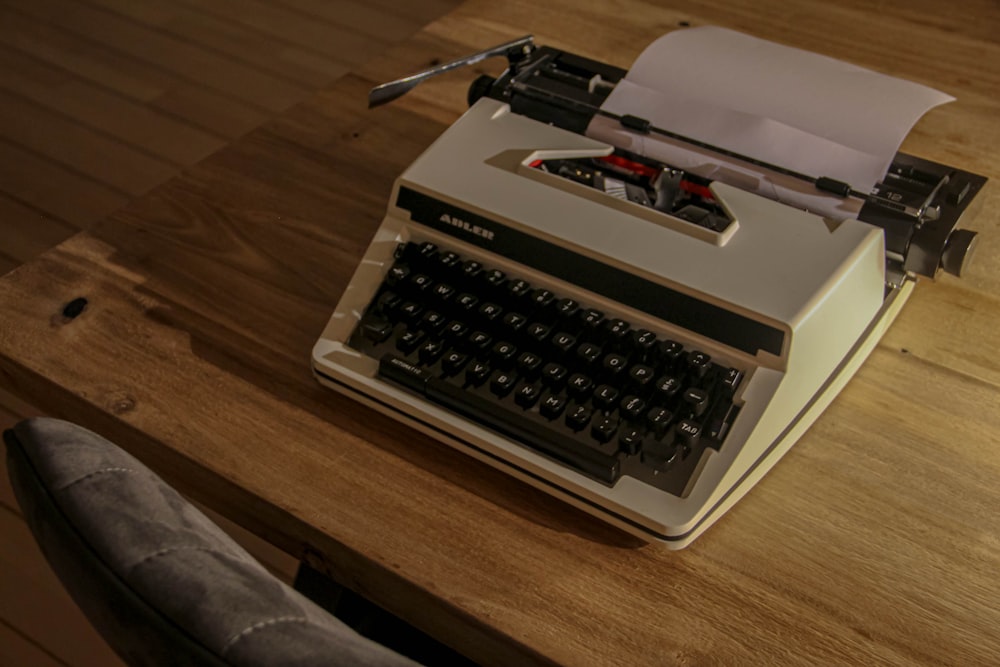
(633, 337)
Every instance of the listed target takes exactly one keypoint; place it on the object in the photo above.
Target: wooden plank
(48, 187)
(282, 58)
(390, 25)
(77, 147)
(141, 128)
(28, 232)
(34, 603)
(317, 36)
(190, 101)
(184, 60)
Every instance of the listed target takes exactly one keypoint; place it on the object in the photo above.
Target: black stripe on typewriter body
(729, 328)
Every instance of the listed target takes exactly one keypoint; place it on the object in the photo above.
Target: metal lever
(387, 92)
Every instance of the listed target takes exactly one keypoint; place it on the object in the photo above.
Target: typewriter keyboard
(580, 386)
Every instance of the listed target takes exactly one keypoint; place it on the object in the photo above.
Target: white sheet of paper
(802, 111)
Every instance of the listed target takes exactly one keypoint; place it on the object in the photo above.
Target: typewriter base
(435, 422)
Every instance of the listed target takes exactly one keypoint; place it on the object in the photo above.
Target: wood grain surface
(875, 541)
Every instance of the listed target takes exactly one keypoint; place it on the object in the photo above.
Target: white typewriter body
(816, 287)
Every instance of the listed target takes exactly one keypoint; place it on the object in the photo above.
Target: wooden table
(875, 541)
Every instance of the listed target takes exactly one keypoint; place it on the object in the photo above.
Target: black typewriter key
(420, 282)
(578, 416)
(579, 386)
(529, 364)
(453, 362)
(517, 289)
(541, 298)
(471, 269)
(670, 351)
(644, 343)
(376, 330)
(514, 322)
(552, 406)
(697, 400)
(563, 342)
(606, 397)
(617, 331)
(632, 407)
(554, 375)
(477, 373)
(666, 388)
(631, 439)
(588, 353)
(467, 302)
(502, 382)
(566, 308)
(494, 278)
(490, 311)
(527, 395)
(427, 250)
(432, 321)
(731, 380)
(659, 418)
(456, 331)
(688, 432)
(443, 292)
(430, 352)
(640, 376)
(410, 340)
(592, 321)
(613, 365)
(480, 342)
(503, 354)
(398, 274)
(411, 310)
(387, 302)
(699, 363)
(604, 428)
(449, 260)
(537, 332)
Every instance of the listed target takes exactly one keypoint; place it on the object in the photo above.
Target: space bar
(493, 415)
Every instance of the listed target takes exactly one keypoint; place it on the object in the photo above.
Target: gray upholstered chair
(161, 582)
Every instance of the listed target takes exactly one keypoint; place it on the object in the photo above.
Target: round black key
(502, 382)
(553, 375)
(567, 308)
(552, 406)
(467, 302)
(614, 364)
(659, 418)
(699, 363)
(688, 431)
(490, 311)
(588, 353)
(644, 342)
(640, 376)
(432, 321)
(666, 387)
(471, 268)
(529, 363)
(697, 400)
(632, 407)
(604, 428)
(670, 351)
(579, 386)
(563, 342)
(477, 373)
(453, 362)
(503, 354)
(527, 395)
(430, 352)
(578, 416)
(479, 342)
(631, 440)
(606, 397)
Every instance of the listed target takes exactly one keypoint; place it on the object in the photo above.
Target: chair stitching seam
(263, 624)
(167, 550)
(94, 474)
